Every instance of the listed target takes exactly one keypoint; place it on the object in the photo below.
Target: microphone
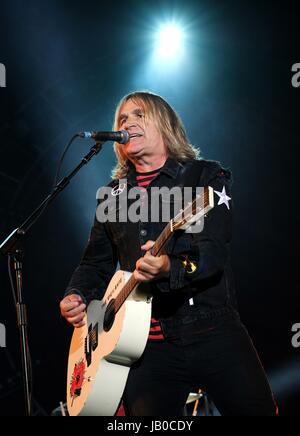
(122, 136)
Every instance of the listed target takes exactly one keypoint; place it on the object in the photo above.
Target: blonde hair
(167, 121)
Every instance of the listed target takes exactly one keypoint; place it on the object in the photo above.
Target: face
(145, 138)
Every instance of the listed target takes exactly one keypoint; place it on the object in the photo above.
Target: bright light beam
(170, 41)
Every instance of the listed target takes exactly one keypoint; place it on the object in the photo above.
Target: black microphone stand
(13, 248)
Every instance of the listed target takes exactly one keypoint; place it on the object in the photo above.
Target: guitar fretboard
(159, 244)
(161, 241)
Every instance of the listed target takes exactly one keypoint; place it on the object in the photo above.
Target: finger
(77, 311)
(155, 263)
(67, 306)
(74, 298)
(148, 254)
(152, 261)
(71, 301)
(147, 246)
(142, 277)
(145, 268)
(76, 319)
(79, 324)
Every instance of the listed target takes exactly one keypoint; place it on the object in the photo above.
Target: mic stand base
(17, 260)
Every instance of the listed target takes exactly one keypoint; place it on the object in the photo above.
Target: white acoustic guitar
(116, 331)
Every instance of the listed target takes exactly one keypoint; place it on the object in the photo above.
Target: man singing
(196, 338)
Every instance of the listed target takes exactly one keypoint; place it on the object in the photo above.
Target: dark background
(68, 63)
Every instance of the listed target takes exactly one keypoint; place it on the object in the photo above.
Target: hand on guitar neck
(151, 267)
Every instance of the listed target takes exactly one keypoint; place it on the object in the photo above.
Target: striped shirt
(143, 181)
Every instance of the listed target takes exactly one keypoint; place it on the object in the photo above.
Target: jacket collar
(170, 168)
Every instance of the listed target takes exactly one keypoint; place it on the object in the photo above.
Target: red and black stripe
(144, 180)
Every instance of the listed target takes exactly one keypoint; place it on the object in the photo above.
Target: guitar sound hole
(109, 317)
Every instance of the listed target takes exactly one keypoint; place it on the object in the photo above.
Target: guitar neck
(194, 211)
(156, 250)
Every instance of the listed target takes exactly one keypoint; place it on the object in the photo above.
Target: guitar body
(102, 351)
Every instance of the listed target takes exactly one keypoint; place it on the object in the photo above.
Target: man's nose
(129, 124)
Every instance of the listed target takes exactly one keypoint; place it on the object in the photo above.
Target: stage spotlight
(170, 41)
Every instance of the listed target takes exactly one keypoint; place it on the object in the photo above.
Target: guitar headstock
(194, 211)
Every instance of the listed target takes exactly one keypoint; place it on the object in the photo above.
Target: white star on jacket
(224, 199)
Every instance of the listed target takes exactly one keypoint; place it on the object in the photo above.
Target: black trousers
(220, 359)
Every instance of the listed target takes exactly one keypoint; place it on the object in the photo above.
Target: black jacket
(210, 286)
